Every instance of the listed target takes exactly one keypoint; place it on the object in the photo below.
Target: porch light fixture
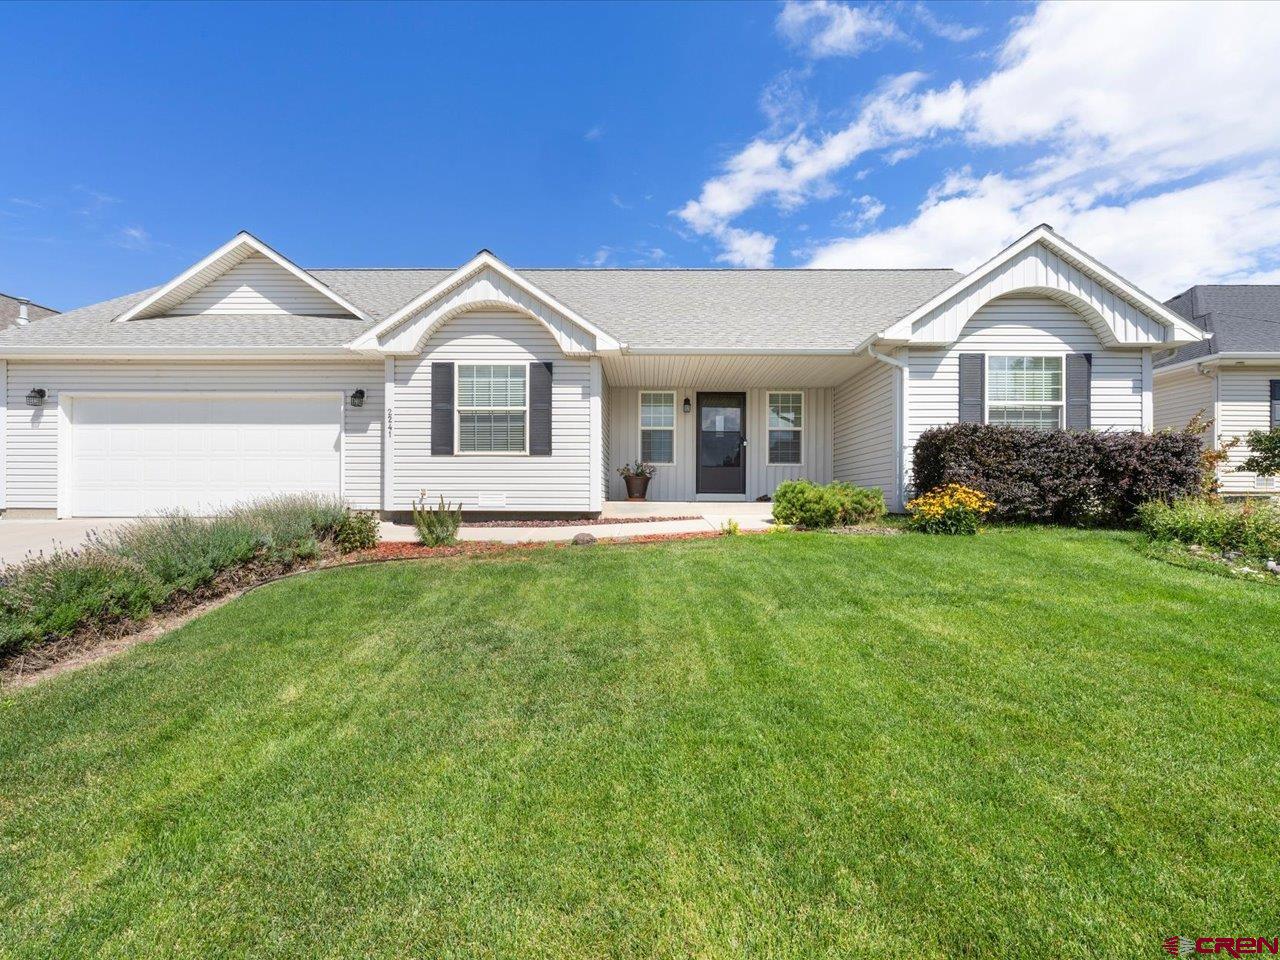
(35, 396)
(685, 406)
(357, 397)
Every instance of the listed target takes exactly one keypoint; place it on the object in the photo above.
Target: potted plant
(636, 476)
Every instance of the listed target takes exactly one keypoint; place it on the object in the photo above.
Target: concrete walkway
(21, 538)
(706, 518)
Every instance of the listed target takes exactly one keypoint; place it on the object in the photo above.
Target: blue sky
(142, 136)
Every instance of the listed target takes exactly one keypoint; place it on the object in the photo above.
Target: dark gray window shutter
(540, 409)
(442, 409)
(973, 387)
(1275, 404)
(1079, 387)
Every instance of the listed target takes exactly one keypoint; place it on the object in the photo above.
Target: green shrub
(1079, 477)
(184, 553)
(804, 503)
(1251, 529)
(952, 509)
(437, 526)
(357, 531)
(1264, 456)
(51, 597)
(292, 524)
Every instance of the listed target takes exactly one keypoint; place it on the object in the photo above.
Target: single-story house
(1232, 378)
(523, 390)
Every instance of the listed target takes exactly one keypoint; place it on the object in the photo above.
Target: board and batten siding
(257, 285)
(678, 481)
(1244, 404)
(1181, 395)
(1017, 326)
(514, 482)
(863, 440)
(31, 433)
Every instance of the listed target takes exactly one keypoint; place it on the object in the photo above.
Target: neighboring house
(524, 390)
(1233, 378)
(17, 311)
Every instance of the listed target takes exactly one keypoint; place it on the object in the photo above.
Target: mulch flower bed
(590, 522)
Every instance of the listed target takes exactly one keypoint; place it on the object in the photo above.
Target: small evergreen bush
(437, 526)
(804, 503)
(357, 531)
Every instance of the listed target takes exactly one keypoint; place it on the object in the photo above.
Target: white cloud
(133, 238)
(595, 133)
(823, 28)
(946, 29)
(1155, 164)
(746, 248)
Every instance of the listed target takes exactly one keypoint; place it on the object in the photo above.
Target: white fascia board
(737, 352)
(174, 353)
(481, 261)
(241, 239)
(1255, 358)
(1182, 331)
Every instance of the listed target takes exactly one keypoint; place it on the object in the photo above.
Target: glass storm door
(722, 441)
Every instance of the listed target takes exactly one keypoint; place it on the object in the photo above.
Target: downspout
(903, 383)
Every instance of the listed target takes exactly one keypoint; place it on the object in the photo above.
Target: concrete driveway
(20, 537)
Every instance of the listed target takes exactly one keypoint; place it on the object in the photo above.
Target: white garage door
(134, 455)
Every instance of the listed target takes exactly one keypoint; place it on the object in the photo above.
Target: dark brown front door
(722, 439)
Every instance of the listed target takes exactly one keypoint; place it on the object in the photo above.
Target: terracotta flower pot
(637, 487)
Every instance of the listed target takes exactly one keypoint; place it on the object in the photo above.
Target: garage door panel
(138, 455)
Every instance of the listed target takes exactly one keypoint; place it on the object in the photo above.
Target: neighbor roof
(1243, 318)
(645, 309)
(10, 307)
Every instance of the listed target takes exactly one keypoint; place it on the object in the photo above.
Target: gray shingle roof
(653, 309)
(1243, 318)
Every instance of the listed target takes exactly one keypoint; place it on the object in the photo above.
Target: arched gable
(485, 290)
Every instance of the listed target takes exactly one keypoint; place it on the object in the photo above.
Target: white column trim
(597, 436)
(1148, 404)
(388, 440)
(4, 433)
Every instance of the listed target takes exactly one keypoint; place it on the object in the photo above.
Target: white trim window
(492, 404)
(658, 427)
(1025, 392)
(786, 428)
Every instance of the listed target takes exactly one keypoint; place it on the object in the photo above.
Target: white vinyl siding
(864, 416)
(1179, 396)
(1019, 326)
(1244, 404)
(258, 285)
(560, 482)
(678, 481)
(31, 460)
(606, 466)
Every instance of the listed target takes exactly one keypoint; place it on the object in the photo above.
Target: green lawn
(1030, 743)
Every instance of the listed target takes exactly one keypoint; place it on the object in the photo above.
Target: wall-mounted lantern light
(685, 406)
(357, 397)
(35, 396)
